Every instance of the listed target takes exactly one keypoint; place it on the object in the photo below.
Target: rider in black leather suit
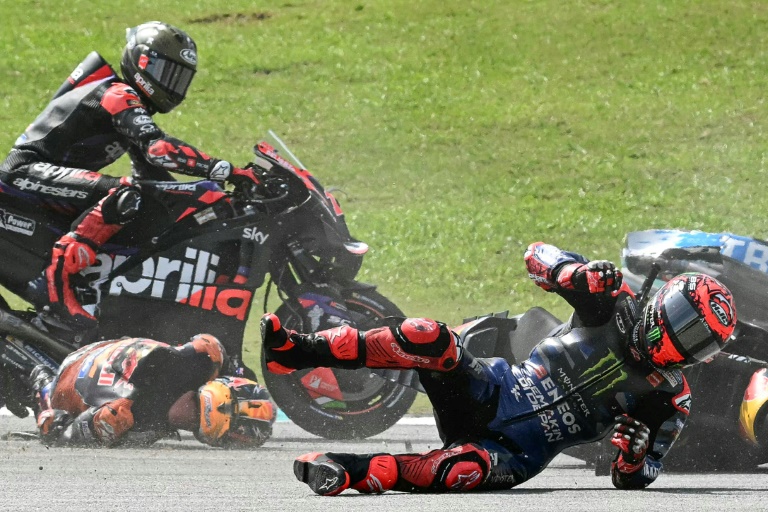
(609, 369)
(92, 120)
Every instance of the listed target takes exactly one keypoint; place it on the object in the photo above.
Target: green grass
(458, 131)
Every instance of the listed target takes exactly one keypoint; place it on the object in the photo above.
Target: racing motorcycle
(191, 263)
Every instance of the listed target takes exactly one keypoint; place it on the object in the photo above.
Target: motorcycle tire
(360, 403)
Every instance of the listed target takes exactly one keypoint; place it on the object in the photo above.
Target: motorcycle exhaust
(12, 325)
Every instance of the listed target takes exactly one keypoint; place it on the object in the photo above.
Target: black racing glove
(632, 438)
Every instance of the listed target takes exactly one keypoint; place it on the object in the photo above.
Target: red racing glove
(599, 276)
(632, 438)
(245, 180)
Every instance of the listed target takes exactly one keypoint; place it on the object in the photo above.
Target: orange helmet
(689, 320)
(234, 412)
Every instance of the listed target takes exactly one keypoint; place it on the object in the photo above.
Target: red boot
(414, 343)
(287, 351)
(328, 474)
(70, 256)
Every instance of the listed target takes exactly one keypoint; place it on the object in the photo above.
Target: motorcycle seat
(533, 326)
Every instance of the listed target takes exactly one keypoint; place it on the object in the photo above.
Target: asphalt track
(184, 475)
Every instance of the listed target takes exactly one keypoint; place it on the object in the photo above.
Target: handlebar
(280, 189)
(675, 261)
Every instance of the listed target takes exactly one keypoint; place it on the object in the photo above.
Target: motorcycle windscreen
(749, 286)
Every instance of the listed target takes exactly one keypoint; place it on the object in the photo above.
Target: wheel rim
(337, 391)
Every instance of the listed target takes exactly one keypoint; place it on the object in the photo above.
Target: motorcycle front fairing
(739, 262)
(318, 223)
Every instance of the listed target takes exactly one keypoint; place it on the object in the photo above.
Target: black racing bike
(192, 262)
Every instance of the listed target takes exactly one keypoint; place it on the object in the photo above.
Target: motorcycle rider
(136, 390)
(610, 369)
(92, 120)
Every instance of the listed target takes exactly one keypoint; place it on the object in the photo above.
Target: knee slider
(465, 470)
(460, 468)
(121, 205)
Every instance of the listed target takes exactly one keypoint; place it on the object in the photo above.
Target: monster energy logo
(654, 335)
(605, 366)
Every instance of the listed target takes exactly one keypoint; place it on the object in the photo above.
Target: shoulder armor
(93, 69)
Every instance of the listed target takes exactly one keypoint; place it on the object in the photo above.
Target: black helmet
(159, 61)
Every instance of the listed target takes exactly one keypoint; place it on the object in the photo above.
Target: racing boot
(328, 474)
(457, 468)
(71, 254)
(412, 343)
(77, 250)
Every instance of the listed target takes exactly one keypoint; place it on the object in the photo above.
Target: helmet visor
(172, 76)
(687, 328)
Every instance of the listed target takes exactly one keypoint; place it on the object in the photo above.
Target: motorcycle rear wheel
(358, 403)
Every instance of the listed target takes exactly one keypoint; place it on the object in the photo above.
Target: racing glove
(246, 180)
(554, 269)
(51, 423)
(41, 376)
(632, 438)
(598, 276)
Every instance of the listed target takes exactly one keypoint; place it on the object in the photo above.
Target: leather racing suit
(502, 423)
(568, 392)
(93, 120)
(108, 390)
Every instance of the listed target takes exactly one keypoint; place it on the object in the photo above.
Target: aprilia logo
(143, 84)
(187, 282)
(56, 172)
(184, 187)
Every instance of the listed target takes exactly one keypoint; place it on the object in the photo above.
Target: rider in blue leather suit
(611, 369)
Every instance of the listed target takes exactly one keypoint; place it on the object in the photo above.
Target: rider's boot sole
(324, 477)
